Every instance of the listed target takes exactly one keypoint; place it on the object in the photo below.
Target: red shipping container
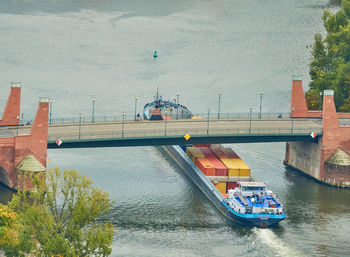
(230, 153)
(206, 151)
(205, 166)
(218, 151)
(220, 168)
(201, 145)
(231, 185)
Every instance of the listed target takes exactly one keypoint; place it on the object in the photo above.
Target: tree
(330, 65)
(9, 227)
(61, 216)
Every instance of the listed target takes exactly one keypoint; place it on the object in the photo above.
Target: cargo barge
(220, 174)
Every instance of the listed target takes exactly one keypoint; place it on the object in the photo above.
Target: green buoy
(155, 55)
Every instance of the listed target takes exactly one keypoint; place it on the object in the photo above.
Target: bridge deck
(132, 133)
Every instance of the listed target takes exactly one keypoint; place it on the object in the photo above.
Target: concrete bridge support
(327, 160)
(23, 154)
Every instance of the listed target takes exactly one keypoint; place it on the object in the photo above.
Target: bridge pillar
(327, 160)
(298, 107)
(12, 109)
(23, 155)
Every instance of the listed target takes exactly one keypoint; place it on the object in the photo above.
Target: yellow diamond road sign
(187, 136)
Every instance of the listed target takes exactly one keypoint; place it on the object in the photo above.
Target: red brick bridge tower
(328, 160)
(22, 154)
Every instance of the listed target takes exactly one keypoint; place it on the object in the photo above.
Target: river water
(74, 50)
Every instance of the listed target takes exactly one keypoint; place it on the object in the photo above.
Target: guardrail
(120, 134)
(203, 116)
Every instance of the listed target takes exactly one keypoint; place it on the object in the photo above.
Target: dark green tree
(60, 217)
(330, 65)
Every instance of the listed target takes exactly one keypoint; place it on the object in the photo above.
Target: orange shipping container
(220, 168)
(205, 166)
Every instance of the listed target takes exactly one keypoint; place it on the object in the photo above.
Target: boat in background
(161, 109)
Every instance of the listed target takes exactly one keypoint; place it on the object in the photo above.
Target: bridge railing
(120, 134)
(201, 116)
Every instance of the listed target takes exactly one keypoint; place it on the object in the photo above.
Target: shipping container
(232, 168)
(202, 145)
(206, 151)
(194, 153)
(231, 185)
(230, 153)
(223, 152)
(220, 168)
(218, 151)
(205, 166)
(221, 187)
(244, 170)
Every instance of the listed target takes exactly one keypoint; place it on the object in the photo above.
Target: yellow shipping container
(221, 186)
(194, 153)
(244, 170)
(232, 168)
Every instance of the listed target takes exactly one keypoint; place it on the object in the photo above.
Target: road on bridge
(141, 129)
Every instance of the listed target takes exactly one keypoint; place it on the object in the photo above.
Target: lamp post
(321, 101)
(18, 121)
(250, 120)
(208, 122)
(135, 105)
(292, 119)
(93, 109)
(51, 101)
(166, 117)
(261, 96)
(80, 115)
(219, 106)
(177, 109)
(123, 120)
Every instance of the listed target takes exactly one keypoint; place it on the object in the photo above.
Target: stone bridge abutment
(327, 160)
(23, 155)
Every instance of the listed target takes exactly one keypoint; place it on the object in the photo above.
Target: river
(72, 51)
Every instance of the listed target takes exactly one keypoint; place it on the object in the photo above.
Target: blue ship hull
(201, 181)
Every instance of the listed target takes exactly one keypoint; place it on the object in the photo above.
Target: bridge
(324, 156)
(172, 132)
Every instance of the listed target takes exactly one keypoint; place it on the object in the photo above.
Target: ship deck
(262, 204)
(168, 109)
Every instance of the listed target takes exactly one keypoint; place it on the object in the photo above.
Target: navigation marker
(187, 136)
(59, 142)
(313, 134)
